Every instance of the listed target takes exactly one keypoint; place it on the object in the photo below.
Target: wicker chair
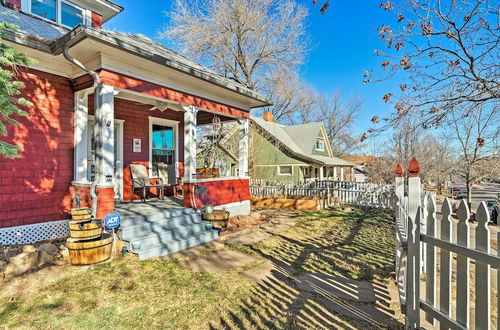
(142, 180)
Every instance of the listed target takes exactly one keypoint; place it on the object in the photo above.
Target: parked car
(455, 190)
(494, 209)
(461, 194)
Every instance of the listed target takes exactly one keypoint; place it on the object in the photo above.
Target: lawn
(127, 293)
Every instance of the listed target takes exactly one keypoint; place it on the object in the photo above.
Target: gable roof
(308, 134)
(51, 38)
(299, 139)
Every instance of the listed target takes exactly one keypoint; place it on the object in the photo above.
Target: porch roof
(44, 36)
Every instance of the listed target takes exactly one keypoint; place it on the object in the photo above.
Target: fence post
(413, 273)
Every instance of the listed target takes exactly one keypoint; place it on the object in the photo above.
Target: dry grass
(125, 293)
(357, 244)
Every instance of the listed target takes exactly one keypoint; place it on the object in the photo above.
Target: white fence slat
(413, 236)
(445, 278)
(498, 279)
(483, 280)
(463, 271)
(430, 258)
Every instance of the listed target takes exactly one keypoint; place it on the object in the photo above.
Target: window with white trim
(163, 145)
(320, 144)
(285, 170)
(58, 11)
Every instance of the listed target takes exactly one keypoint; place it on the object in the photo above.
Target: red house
(99, 97)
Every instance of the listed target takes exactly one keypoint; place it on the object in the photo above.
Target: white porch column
(243, 148)
(190, 143)
(105, 135)
(342, 174)
(321, 170)
(335, 173)
(81, 138)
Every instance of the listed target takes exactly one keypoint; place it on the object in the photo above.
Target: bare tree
(381, 170)
(441, 160)
(408, 141)
(449, 54)
(290, 94)
(245, 40)
(338, 117)
(478, 133)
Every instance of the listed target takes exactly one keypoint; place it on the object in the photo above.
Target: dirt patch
(239, 223)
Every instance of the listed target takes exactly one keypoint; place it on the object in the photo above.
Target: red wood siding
(33, 187)
(145, 87)
(219, 192)
(96, 20)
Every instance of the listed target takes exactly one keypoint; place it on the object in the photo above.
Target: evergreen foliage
(11, 103)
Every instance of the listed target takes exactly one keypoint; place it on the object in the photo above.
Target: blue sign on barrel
(112, 220)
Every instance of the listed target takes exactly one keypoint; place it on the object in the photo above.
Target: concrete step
(132, 220)
(168, 236)
(177, 245)
(158, 225)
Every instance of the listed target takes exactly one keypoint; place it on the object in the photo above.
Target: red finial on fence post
(399, 171)
(413, 168)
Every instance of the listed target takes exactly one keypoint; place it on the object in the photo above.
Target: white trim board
(237, 208)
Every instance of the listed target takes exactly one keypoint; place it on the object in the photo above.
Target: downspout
(97, 105)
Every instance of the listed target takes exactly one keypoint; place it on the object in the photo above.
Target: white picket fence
(333, 192)
(420, 235)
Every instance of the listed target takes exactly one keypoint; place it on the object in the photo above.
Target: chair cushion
(139, 173)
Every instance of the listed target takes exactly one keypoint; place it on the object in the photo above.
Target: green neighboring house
(298, 153)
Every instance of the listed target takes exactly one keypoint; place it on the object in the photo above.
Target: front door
(163, 150)
(118, 156)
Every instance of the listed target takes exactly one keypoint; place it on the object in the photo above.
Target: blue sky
(344, 39)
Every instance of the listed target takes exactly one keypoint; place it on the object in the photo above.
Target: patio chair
(168, 180)
(142, 180)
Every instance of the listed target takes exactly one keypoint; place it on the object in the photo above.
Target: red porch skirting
(220, 192)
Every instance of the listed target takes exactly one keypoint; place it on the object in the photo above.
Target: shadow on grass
(357, 244)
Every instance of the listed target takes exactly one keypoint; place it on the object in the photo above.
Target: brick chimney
(268, 116)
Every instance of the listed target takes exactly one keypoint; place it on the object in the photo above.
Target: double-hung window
(59, 11)
(320, 144)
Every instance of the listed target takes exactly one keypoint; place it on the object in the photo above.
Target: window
(320, 144)
(285, 170)
(70, 15)
(163, 148)
(45, 8)
(58, 11)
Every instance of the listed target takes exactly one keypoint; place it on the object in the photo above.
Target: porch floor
(150, 207)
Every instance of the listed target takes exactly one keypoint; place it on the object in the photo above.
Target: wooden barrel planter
(90, 252)
(81, 215)
(86, 230)
(81, 211)
(218, 218)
